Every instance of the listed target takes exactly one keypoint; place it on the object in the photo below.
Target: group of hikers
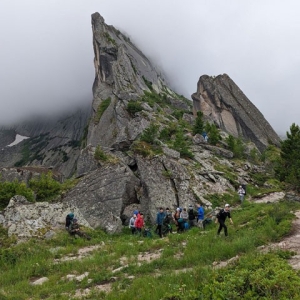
(182, 218)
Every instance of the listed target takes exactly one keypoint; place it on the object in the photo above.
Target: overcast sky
(46, 53)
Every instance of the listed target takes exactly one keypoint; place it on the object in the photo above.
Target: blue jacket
(160, 218)
(200, 213)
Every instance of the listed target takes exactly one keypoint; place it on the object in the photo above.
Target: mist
(46, 53)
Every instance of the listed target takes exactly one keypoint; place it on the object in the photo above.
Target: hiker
(221, 217)
(241, 193)
(139, 223)
(167, 227)
(131, 224)
(200, 216)
(136, 212)
(192, 217)
(184, 216)
(176, 217)
(69, 220)
(168, 216)
(159, 221)
(75, 230)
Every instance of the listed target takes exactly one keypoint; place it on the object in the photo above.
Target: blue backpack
(69, 220)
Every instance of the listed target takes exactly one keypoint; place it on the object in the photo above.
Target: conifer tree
(288, 168)
(199, 124)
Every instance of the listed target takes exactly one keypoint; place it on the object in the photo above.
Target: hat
(178, 209)
(227, 205)
(74, 220)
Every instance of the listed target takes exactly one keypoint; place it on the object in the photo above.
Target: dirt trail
(291, 243)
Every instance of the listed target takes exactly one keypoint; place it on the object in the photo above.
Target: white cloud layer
(46, 53)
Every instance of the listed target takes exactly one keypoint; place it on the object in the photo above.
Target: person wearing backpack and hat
(75, 230)
(221, 216)
(69, 220)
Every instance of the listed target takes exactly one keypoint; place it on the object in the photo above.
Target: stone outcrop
(41, 219)
(122, 74)
(103, 194)
(223, 103)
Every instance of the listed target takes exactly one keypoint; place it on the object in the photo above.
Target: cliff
(223, 103)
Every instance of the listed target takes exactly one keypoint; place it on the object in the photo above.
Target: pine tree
(288, 168)
(199, 124)
(213, 133)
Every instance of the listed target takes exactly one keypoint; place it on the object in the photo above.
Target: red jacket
(139, 222)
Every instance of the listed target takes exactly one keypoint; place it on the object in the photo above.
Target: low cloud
(46, 53)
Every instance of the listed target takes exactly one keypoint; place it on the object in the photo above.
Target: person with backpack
(221, 217)
(132, 224)
(200, 210)
(75, 230)
(159, 221)
(139, 223)
(176, 218)
(241, 193)
(69, 220)
(192, 216)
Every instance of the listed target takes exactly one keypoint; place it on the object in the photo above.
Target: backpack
(191, 214)
(244, 188)
(219, 213)
(69, 220)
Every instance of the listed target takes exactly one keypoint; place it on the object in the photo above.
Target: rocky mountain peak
(223, 103)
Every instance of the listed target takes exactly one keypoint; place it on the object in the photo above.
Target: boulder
(25, 219)
(103, 194)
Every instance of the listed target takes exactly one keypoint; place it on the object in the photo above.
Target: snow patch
(19, 138)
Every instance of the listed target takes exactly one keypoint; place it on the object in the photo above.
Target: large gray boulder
(25, 219)
(165, 182)
(103, 194)
(223, 103)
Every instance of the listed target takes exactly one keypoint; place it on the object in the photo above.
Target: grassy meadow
(179, 266)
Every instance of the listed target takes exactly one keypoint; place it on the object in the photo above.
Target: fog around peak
(46, 52)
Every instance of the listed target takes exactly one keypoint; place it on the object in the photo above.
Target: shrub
(45, 187)
(236, 146)
(10, 189)
(167, 132)
(134, 107)
(100, 154)
(181, 145)
(149, 135)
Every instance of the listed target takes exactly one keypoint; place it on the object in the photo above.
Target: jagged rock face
(122, 72)
(25, 219)
(103, 194)
(223, 103)
(52, 143)
(166, 182)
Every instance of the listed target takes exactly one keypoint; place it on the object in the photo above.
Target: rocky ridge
(131, 97)
(223, 103)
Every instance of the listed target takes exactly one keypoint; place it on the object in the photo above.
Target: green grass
(101, 109)
(161, 278)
